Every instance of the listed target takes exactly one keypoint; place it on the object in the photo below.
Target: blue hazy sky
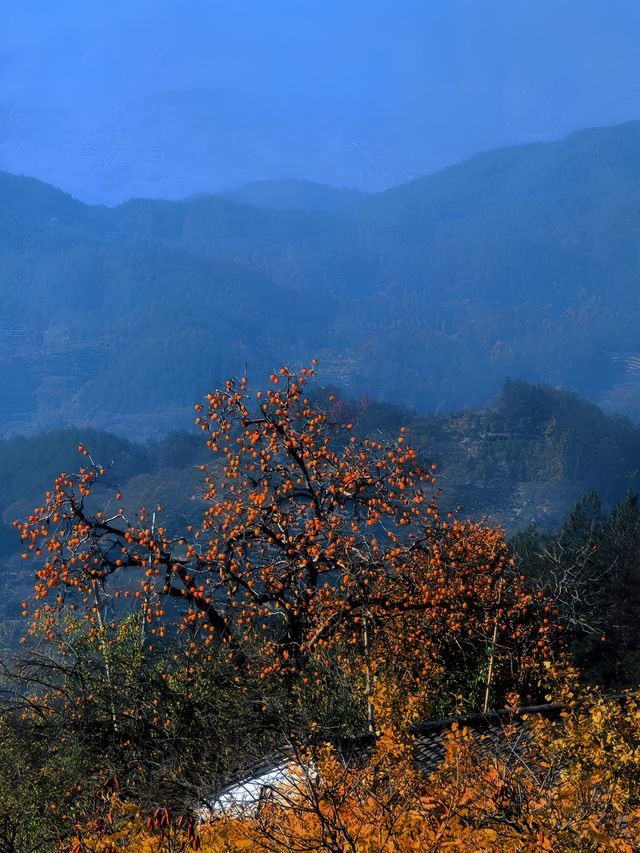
(156, 97)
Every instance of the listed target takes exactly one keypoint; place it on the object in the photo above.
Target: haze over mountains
(521, 261)
(118, 100)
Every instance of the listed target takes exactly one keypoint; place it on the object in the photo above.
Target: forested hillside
(522, 262)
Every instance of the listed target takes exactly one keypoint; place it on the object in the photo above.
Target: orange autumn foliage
(565, 785)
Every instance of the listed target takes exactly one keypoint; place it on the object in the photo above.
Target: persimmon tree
(296, 527)
(310, 539)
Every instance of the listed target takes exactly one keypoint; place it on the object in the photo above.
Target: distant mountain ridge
(295, 195)
(522, 261)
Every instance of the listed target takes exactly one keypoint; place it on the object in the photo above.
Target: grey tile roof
(429, 745)
(282, 768)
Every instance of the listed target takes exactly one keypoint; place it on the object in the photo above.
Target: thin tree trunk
(492, 655)
(368, 679)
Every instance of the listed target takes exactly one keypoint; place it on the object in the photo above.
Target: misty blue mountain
(518, 262)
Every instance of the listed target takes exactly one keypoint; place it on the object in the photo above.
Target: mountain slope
(522, 261)
(295, 195)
